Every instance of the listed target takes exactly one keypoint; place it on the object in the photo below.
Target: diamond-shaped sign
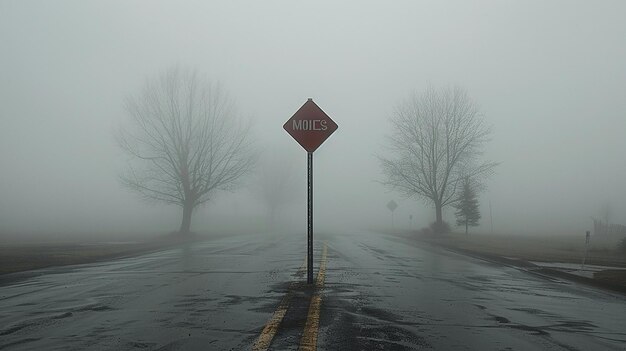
(310, 126)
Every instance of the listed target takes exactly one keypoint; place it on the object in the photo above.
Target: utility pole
(587, 239)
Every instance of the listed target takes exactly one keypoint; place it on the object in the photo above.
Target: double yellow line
(309, 336)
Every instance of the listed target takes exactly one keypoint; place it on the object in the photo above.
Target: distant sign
(310, 126)
(392, 205)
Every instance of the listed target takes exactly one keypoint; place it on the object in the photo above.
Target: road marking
(308, 342)
(264, 340)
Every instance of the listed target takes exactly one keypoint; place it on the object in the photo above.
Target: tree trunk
(466, 226)
(439, 218)
(186, 224)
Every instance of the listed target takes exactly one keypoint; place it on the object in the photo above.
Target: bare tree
(436, 141)
(186, 141)
(275, 184)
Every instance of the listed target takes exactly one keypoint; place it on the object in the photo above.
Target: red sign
(310, 126)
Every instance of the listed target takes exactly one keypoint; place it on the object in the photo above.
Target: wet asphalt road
(380, 292)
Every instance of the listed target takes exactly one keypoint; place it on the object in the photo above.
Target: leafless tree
(186, 141)
(275, 183)
(436, 141)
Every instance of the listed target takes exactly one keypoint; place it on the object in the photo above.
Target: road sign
(310, 126)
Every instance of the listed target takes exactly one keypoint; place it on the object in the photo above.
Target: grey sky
(549, 76)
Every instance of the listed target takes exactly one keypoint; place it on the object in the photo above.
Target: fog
(549, 78)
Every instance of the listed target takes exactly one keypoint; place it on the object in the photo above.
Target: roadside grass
(616, 276)
(602, 251)
(36, 254)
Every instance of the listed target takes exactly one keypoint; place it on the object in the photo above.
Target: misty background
(549, 77)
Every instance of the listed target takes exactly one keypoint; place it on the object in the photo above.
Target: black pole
(309, 266)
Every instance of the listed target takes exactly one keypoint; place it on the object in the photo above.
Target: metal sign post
(310, 127)
(309, 264)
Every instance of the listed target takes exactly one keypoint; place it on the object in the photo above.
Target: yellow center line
(308, 342)
(264, 340)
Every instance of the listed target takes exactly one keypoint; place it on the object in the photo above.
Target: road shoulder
(611, 278)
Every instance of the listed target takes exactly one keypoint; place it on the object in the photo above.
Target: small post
(587, 238)
(309, 266)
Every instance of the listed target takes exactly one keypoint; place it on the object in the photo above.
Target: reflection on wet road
(379, 292)
(392, 294)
